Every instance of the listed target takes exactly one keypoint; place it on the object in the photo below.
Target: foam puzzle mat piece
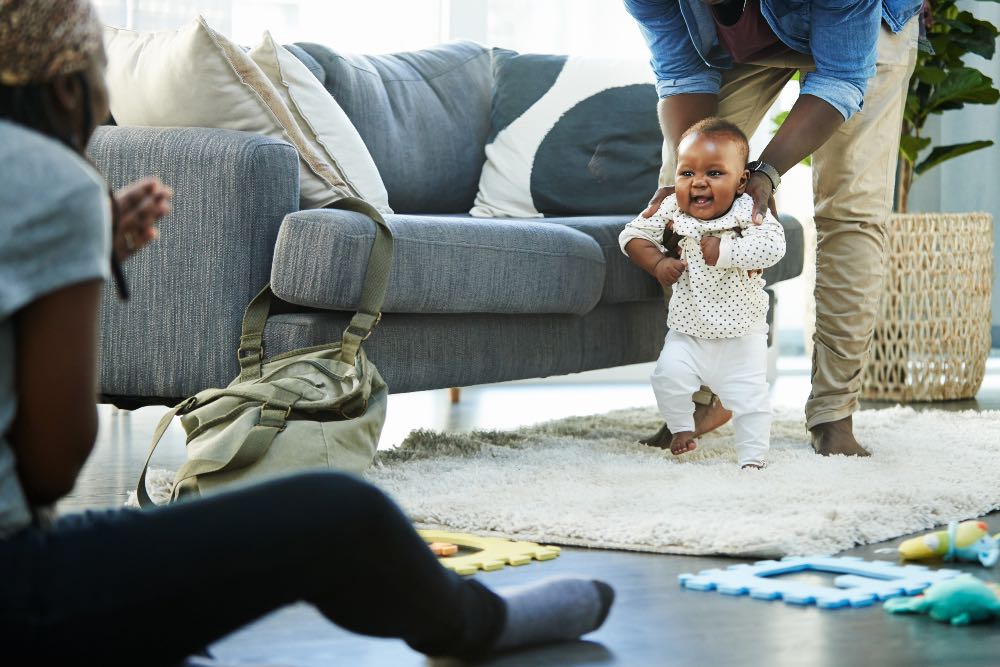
(861, 583)
(493, 553)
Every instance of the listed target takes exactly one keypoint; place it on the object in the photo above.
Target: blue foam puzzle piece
(861, 583)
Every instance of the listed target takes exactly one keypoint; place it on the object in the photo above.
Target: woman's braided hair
(39, 41)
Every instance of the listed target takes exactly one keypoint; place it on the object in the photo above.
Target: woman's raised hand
(138, 207)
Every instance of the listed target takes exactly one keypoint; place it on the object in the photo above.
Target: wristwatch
(769, 171)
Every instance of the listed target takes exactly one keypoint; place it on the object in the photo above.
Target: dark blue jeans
(126, 587)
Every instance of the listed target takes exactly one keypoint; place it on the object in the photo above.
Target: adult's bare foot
(706, 418)
(682, 443)
(837, 437)
(661, 439)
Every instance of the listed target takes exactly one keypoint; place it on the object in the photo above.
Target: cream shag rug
(586, 481)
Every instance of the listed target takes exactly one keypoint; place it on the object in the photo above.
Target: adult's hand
(710, 246)
(138, 207)
(759, 187)
(658, 197)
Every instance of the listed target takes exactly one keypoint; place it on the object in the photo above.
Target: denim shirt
(840, 35)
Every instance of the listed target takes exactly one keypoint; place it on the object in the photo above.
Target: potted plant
(942, 82)
(932, 335)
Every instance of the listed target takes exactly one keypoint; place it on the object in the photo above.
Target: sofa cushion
(311, 63)
(440, 264)
(196, 77)
(424, 116)
(323, 123)
(570, 135)
(624, 282)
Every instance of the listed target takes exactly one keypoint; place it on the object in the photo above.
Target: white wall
(970, 182)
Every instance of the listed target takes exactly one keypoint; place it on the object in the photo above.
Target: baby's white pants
(735, 369)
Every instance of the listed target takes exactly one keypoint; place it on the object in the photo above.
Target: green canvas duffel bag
(317, 407)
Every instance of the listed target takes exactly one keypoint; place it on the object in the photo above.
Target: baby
(718, 310)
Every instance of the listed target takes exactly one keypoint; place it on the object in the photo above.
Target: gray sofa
(470, 300)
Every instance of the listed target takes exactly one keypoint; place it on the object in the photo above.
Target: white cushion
(322, 121)
(196, 77)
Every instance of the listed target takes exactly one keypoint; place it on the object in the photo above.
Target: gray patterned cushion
(570, 135)
(424, 116)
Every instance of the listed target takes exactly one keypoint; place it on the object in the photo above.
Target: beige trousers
(853, 181)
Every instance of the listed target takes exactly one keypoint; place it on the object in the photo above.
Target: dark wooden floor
(654, 621)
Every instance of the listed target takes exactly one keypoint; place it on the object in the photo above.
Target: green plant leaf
(939, 42)
(979, 37)
(957, 24)
(910, 146)
(930, 75)
(942, 82)
(964, 85)
(944, 153)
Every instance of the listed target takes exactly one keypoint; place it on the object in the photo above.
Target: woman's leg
(119, 586)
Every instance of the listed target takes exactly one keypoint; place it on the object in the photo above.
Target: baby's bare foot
(706, 418)
(682, 443)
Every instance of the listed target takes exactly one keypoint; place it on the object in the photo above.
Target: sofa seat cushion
(441, 264)
(624, 282)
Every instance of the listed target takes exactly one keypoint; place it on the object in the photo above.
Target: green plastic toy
(959, 601)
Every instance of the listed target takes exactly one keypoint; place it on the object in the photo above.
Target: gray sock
(553, 610)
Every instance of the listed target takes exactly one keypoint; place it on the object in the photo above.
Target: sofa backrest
(424, 116)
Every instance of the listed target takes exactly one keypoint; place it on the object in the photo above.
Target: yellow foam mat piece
(493, 552)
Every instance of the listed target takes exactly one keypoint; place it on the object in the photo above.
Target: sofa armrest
(790, 265)
(179, 332)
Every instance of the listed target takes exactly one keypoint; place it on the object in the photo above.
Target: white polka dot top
(726, 300)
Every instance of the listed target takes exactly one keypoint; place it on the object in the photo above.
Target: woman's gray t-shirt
(55, 231)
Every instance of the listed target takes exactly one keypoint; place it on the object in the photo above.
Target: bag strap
(256, 443)
(141, 495)
(364, 321)
(273, 417)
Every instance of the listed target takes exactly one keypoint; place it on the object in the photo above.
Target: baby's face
(711, 173)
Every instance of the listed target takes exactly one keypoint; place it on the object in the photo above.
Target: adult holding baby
(731, 59)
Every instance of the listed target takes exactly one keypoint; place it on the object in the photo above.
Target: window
(578, 27)
(381, 26)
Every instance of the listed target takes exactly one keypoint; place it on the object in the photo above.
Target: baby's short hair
(713, 126)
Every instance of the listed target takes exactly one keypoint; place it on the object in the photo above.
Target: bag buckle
(271, 420)
(366, 336)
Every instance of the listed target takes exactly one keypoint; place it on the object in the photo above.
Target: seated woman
(121, 586)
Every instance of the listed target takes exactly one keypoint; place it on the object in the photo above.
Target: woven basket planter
(932, 333)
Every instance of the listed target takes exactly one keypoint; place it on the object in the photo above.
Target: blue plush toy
(960, 601)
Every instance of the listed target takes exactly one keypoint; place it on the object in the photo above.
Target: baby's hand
(710, 249)
(668, 270)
